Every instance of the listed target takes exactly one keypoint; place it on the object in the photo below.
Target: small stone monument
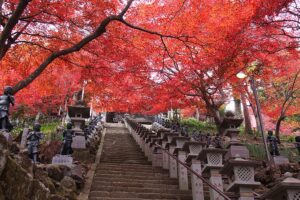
(78, 114)
(241, 177)
(24, 136)
(62, 160)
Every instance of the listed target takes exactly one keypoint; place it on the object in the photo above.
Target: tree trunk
(256, 117)
(197, 115)
(278, 124)
(247, 121)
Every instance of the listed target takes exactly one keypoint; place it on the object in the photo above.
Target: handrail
(195, 173)
(192, 171)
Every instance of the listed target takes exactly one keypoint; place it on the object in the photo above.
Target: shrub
(202, 126)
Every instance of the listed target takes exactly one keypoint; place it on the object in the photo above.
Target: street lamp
(242, 75)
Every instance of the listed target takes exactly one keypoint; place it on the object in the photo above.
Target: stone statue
(5, 100)
(33, 139)
(67, 140)
(217, 142)
(208, 140)
(273, 144)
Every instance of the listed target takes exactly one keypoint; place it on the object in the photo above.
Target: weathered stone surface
(77, 173)
(68, 183)
(3, 142)
(67, 194)
(3, 160)
(41, 175)
(24, 161)
(17, 182)
(7, 136)
(39, 191)
(55, 172)
(57, 197)
(14, 148)
(2, 197)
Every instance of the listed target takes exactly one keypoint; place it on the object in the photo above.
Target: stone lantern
(213, 159)
(78, 114)
(230, 129)
(288, 189)
(241, 177)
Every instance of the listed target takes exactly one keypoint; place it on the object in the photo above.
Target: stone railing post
(181, 155)
(172, 162)
(193, 149)
(213, 159)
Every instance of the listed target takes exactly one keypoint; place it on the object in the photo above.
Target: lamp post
(242, 75)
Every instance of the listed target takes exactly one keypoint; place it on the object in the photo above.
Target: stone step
(140, 195)
(135, 176)
(125, 173)
(164, 189)
(131, 173)
(135, 184)
(153, 181)
(116, 198)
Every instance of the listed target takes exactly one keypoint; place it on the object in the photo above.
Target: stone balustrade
(202, 160)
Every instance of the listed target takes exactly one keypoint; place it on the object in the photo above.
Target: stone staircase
(124, 173)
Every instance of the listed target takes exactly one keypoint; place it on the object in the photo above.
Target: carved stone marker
(24, 136)
(79, 142)
(280, 160)
(62, 160)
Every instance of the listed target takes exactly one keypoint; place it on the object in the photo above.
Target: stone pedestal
(197, 184)
(241, 173)
(165, 156)
(289, 189)
(213, 159)
(172, 163)
(79, 142)
(193, 149)
(182, 172)
(157, 157)
(165, 144)
(181, 155)
(216, 180)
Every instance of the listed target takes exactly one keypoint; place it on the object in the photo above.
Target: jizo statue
(6, 100)
(273, 144)
(33, 139)
(68, 139)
